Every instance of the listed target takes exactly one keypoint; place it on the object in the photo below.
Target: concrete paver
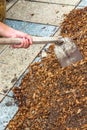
(8, 109)
(70, 2)
(83, 3)
(39, 12)
(32, 28)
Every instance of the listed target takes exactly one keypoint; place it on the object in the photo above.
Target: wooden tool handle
(10, 41)
(36, 40)
(45, 40)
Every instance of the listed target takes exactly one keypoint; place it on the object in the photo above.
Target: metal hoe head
(67, 52)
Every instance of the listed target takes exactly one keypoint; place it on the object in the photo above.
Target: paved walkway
(36, 17)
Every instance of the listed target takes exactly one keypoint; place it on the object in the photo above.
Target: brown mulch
(51, 97)
(75, 27)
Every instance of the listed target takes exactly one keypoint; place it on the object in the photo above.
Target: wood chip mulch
(75, 27)
(51, 97)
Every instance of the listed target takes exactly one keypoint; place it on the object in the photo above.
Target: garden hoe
(65, 49)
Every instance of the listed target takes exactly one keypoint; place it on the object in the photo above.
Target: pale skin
(8, 32)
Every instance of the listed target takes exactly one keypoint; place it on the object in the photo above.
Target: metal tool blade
(67, 52)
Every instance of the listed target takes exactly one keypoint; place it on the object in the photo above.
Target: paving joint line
(50, 3)
(3, 97)
(3, 50)
(79, 3)
(31, 22)
(6, 95)
(12, 5)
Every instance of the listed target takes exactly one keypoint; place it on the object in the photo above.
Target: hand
(26, 39)
(6, 31)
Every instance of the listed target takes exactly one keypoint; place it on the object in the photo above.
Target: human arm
(6, 31)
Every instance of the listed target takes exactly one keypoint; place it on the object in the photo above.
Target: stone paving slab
(39, 12)
(83, 3)
(15, 61)
(8, 109)
(32, 28)
(68, 2)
